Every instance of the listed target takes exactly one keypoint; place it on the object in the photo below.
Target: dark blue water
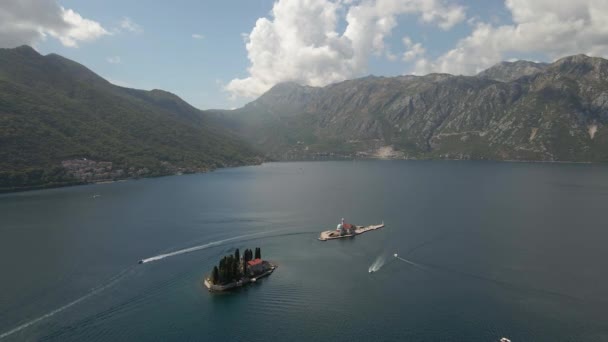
(500, 249)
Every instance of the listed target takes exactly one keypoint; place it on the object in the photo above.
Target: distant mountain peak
(24, 50)
(581, 57)
(24, 47)
(510, 71)
(582, 66)
(288, 84)
(517, 110)
(285, 86)
(289, 87)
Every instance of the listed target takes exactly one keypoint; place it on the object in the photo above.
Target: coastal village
(91, 171)
(86, 170)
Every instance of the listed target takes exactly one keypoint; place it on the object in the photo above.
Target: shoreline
(111, 181)
(531, 161)
(77, 183)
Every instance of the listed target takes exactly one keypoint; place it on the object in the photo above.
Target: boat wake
(114, 280)
(377, 264)
(499, 282)
(93, 292)
(415, 264)
(200, 247)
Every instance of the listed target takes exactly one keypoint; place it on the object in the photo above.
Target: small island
(347, 230)
(234, 271)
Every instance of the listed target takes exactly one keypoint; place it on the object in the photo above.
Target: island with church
(347, 230)
(234, 271)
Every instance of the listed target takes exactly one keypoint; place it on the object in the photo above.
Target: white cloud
(80, 29)
(553, 28)
(197, 36)
(390, 56)
(114, 60)
(300, 41)
(472, 21)
(29, 21)
(413, 50)
(127, 24)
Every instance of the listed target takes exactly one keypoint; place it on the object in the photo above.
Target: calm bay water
(500, 249)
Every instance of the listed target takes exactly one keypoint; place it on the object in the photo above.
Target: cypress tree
(231, 274)
(222, 271)
(258, 254)
(247, 255)
(226, 270)
(234, 269)
(225, 273)
(237, 257)
(215, 275)
(246, 258)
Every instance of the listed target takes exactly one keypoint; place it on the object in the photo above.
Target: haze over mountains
(512, 111)
(61, 124)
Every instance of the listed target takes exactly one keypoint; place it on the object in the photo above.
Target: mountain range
(511, 111)
(62, 124)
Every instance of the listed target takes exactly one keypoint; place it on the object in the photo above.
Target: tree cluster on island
(233, 267)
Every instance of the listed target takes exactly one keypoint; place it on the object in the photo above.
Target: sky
(223, 54)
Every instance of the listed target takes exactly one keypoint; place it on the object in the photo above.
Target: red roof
(254, 262)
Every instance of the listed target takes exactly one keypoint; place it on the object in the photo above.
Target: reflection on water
(505, 249)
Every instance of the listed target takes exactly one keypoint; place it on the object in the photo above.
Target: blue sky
(164, 55)
(151, 44)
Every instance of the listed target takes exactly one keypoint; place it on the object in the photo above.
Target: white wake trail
(415, 264)
(68, 305)
(120, 276)
(205, 246)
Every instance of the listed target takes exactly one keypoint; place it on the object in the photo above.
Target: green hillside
(55, 112)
